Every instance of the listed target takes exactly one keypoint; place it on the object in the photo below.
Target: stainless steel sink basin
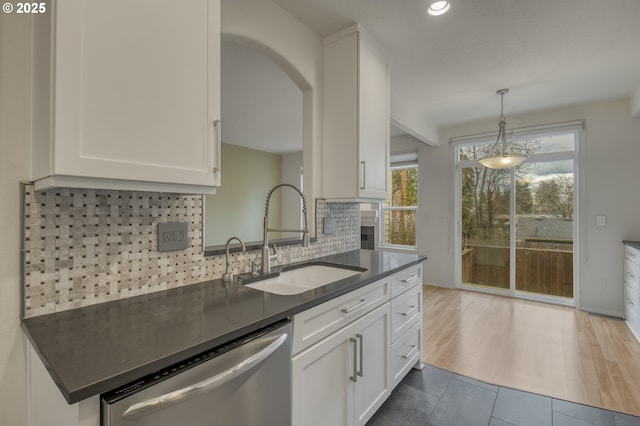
(304, 278)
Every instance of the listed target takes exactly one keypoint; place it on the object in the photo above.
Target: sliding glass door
(516, 227)
(486, 235)
(544, 230)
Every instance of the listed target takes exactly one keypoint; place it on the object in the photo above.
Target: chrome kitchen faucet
(266, 256)
(228, 276)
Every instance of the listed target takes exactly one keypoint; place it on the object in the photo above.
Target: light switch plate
(173, 236)
(601, 221)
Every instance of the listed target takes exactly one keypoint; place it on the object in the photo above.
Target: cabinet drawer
(405, 353)
(632, 253)
(632, 274)
(631, 311)
(318, 322)
(406, 309)
(404, 280)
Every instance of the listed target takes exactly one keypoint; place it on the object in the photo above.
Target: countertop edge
(634, 244)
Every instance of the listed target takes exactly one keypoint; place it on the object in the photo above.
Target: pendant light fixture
(505, 159)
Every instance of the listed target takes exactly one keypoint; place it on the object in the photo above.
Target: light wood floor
(546, 349)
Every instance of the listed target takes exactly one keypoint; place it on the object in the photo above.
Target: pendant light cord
(502, 122)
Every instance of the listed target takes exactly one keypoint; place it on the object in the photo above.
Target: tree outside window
(400, 210)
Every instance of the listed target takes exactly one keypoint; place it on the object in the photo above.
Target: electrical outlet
(329, 226)
(173, 236)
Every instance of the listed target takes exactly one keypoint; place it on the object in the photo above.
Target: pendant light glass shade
(505, 159)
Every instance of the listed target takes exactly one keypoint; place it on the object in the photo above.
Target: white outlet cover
(328, 226)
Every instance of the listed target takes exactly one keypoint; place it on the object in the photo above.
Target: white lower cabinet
(344, 379)
(373, 345)
(46, 406)
(350, 352)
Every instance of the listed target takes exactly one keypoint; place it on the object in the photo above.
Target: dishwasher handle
(163, 401)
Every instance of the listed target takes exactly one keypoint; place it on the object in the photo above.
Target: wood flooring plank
(546, 349)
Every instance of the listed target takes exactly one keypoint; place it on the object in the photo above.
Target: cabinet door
(373, 126)
(356, 119)
(340, 118)
(373, 336)
(136, 93)
(322, 388)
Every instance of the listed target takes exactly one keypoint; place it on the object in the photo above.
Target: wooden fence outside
(542, 271)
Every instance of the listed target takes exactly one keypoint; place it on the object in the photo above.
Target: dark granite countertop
(94, 349)
(634, 244)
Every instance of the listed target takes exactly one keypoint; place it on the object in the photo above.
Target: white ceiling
(550, 53)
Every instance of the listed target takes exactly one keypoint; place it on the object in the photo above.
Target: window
(399, 212)
(517, 227)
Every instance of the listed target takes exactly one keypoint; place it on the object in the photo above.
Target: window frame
(570, 127)
(383, 208)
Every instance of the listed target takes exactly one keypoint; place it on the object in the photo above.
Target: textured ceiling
(550, 53)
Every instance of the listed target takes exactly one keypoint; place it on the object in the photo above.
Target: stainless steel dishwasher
(246, 382)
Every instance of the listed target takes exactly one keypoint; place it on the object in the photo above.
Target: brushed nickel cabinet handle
(410, 278)
(406, 314)
(217, 131)
(354, 378)
(363, 165)
(361, 338)
(413, 350)
(354, 307)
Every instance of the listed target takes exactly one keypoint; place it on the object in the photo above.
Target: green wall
(237, 209)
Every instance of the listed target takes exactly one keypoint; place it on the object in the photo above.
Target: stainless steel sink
(303, 278)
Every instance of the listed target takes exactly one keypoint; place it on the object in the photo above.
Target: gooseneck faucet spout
(228, 276)
(266, 256)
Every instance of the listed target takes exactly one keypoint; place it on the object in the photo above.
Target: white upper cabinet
(126, 95)
(356, 117)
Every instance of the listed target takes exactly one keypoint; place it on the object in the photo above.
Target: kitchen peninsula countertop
(97, 348)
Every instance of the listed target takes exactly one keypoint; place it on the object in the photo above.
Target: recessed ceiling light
(438, 7)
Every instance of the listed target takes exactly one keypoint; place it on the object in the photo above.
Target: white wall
(14, 149)
(609, 163)
(237, 208)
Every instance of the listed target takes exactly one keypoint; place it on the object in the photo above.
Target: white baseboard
(605, 312)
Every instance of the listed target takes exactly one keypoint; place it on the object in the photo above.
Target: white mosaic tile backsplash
(84, 247)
